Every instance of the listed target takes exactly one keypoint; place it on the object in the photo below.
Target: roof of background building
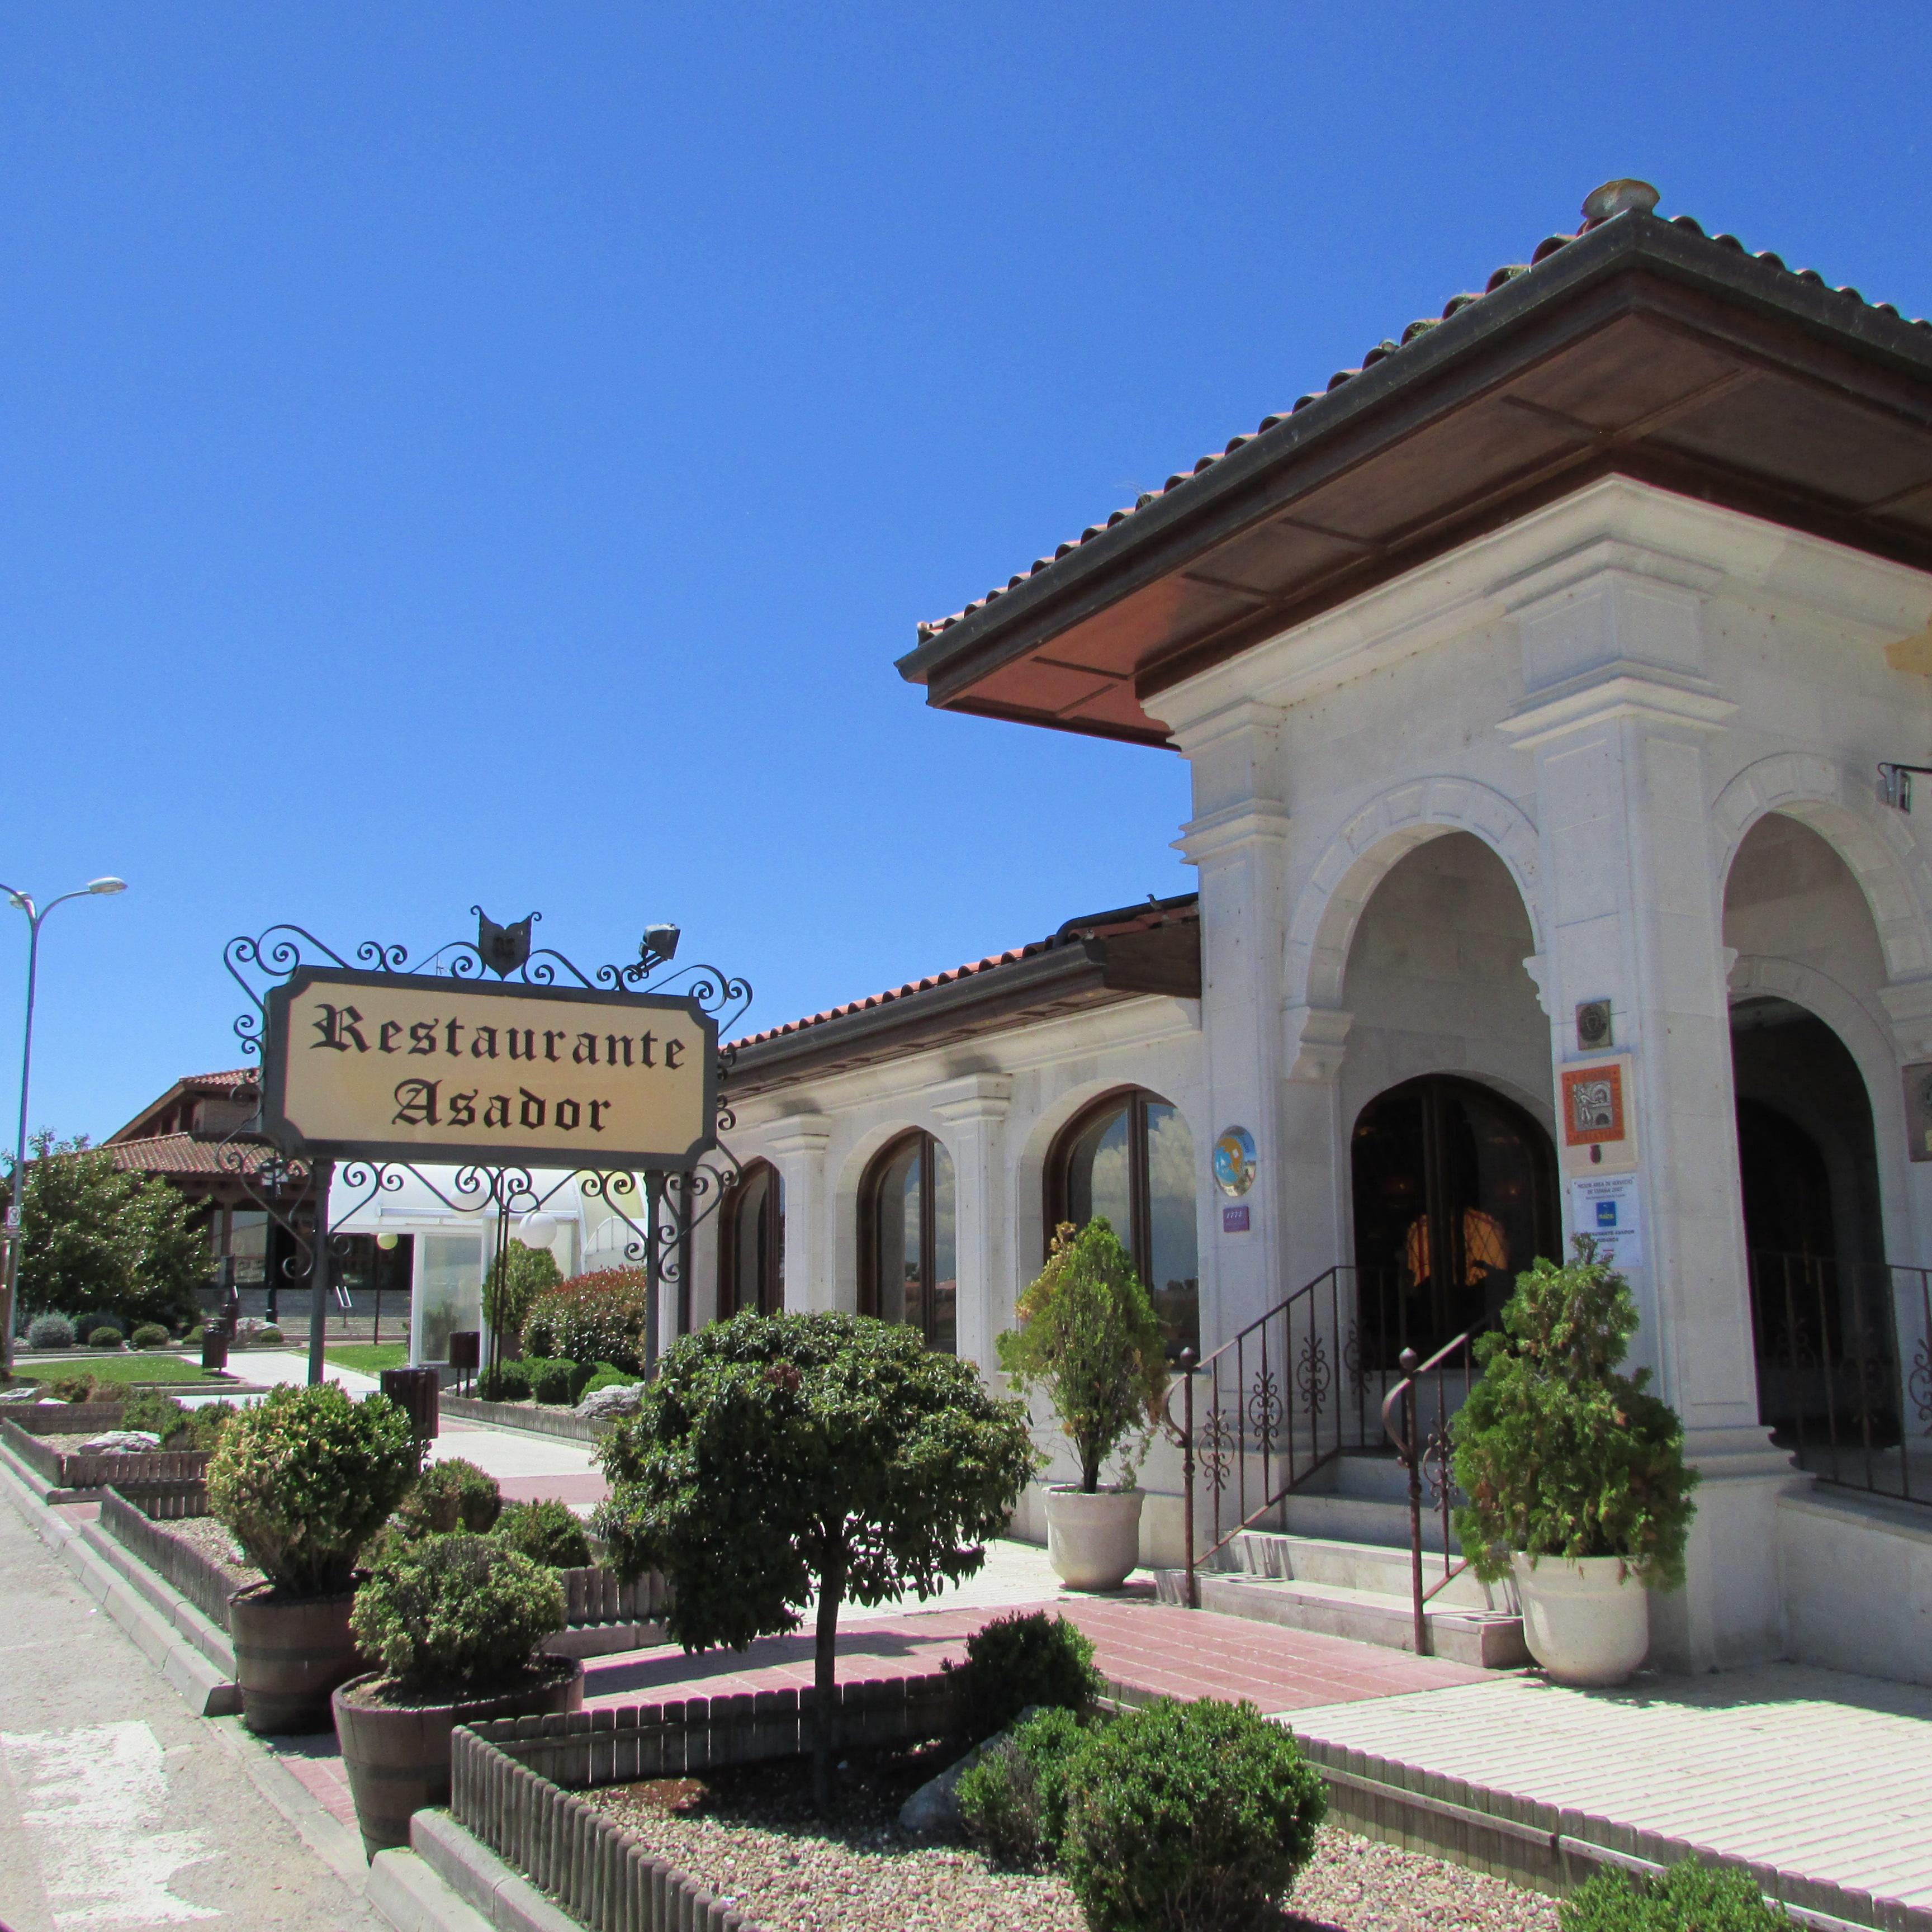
(184, 1154)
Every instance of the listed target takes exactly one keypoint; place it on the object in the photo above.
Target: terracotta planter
(397, 1755)
(1586, 1622)
(290, 1653)
(1093, 1541)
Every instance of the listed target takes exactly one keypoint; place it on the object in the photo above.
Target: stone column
(974, 1112)
(1617, 716)
(1237, 840)
(796, 1146)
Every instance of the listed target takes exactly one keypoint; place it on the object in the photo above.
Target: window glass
(912, 1267)
(448, 1291)
(1173, 1274)
(1097, 1174)
(896, 1233)
(248, 1242)
(757, 1236)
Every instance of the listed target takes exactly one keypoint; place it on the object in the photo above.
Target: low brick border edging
(76, 1477)
(513, 1415)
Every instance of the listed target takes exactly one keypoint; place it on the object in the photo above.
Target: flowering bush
(592, 1318)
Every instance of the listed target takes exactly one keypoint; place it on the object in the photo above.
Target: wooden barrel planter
(290, 1653)
(397, 1755)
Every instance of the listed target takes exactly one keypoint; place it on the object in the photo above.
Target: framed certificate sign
(390, 1066)
(1594, 1116)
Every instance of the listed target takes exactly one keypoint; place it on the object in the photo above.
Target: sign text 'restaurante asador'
(384, 1066)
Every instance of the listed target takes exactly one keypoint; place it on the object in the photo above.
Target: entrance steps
(1339, 1564)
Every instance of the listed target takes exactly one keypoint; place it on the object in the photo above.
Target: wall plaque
(1594, 1109)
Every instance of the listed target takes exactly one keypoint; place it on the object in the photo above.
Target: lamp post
(37, 916)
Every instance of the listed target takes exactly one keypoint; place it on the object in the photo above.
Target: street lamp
(36, 917)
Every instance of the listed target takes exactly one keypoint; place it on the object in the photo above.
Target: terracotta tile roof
(241, 1076)
(1613, 199)
(183, 1154)
(1155, 912)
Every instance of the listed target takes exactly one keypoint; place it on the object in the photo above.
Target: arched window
(908, 1268)
(1130, 1158)
(751, 1248)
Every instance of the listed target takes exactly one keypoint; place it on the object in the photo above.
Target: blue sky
(457, 453)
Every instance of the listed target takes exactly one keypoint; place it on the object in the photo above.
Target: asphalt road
(119, 1811)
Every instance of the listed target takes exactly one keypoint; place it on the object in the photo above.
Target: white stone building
(1534, 677)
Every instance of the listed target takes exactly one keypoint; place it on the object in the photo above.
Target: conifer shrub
(1689, 1896)
(1025, 1658)
(50, 1331)
(305, 1478)
(546, 1532)
(599, 1317)
(1013, 1801)
(1183, 1816)
(1558, 1454)
(455, 1613)
(149, 1335)
(449, 1496)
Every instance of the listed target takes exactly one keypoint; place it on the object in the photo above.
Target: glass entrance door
(1455, 1193)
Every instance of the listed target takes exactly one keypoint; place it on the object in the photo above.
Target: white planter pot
(1584, 1622)
(1093, 1541)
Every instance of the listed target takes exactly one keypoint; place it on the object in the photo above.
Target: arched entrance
(1808, 1168)
(1455, 1193)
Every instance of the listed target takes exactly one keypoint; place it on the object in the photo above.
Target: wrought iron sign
(371, 1065)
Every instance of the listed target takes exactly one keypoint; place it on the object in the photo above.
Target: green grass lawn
(139, 1366)
(368, 1358)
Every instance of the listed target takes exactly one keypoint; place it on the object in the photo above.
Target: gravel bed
(750, 1837)
(210, 1537)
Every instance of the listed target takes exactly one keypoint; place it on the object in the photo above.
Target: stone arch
(1875, 843)
(1871, 1047)
(1322, 927)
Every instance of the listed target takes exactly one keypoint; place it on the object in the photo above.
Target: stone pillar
(974, 1110)
(1617, 715)
(796, 1146)
(1237, 840)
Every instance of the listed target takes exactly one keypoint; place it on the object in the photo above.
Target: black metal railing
(1834, 1386)
(1265, 1410)
(1416, 1415)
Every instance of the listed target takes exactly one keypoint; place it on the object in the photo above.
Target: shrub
(105, 1337)
(449, 1496)
(1187, 1815)
(592, 1318)
(177, 1426)
(455, 1613)
(50, 1331)
(71, 1388)
(508, 1381)
(1090, 1338)
(546, 1532)
(557, 1381)
(1014, 1800)
(607, 1377)
(266, 1336)
(150, 1335)
(517, 1277)
(91, 1324)
(1688, 1897)
(1027, 1657)
(304, 1478)
(1559, 1455)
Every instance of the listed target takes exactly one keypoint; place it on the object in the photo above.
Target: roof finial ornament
(1618, 197)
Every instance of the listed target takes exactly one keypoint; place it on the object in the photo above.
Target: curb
(410, 1896)
(476, 1877)
(202, 1686)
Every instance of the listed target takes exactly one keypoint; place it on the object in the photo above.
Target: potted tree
(453, 1624)
(302, 1481)
(1574, 1473)
(1090, 1338)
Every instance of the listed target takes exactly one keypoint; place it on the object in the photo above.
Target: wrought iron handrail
(1275, 1401)
(1834, 1382)
(1427, 1460)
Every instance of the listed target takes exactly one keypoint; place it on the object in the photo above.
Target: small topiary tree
(1560, 1455)
(517, 1277)
(777, 1459)
(1689, 1896)
(1180, 1816)
(547, 1532)
(304, 1478)
(1027, 1657)
(455, 1613)
(1090, 1337)
(449, 1496)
